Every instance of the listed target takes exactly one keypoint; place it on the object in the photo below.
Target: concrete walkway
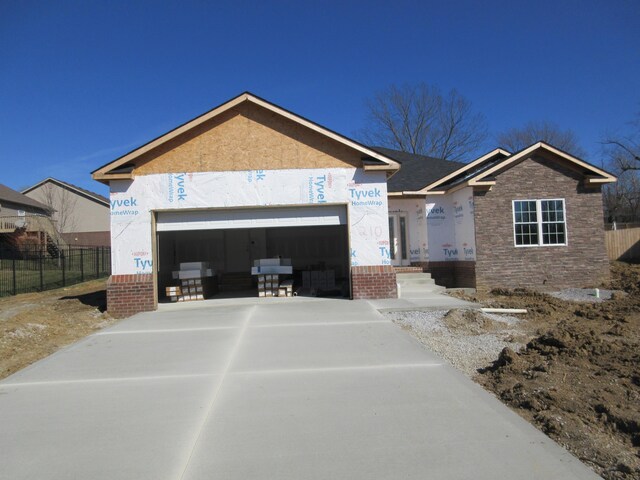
(314, 388)
(425, 301)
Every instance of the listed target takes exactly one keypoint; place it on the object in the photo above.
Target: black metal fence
(35, 269)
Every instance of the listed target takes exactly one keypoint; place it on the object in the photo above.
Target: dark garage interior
(231, 254)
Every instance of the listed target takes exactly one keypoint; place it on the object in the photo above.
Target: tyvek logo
(127, 206)
(385, 253)
(368, 197)
(362, 194)
(142, 264)
(436, 215)
(317, 189)
(128, 202)
(449, 253)
(458, 212)
(435, 212)
(259, 175)
(177, 189)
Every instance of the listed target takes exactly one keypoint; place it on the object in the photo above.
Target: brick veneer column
(374, 282)
(130, 294)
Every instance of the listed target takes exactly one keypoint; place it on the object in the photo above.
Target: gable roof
(12, 196)
(86, 193)
(593, 175)
(481, 172)
(120, 168)
(467, 171)
(417, 170)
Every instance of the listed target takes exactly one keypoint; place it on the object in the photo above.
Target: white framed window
(539, 222)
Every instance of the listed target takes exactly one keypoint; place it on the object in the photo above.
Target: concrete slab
(403, 422)
(312, 311)
(427, 301)
(329, 346)
(100, 431)
(302, 389)
(212, 317)
(134, 355)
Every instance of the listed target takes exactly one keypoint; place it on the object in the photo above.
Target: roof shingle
(10, 195)
(417, 171)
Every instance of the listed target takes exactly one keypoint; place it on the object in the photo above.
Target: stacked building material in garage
(269, 272)
(197, 282)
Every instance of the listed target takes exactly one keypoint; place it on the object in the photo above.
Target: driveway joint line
(321, 324)
(107, 380)
(392, 366)
(168, 330)
(216, 392)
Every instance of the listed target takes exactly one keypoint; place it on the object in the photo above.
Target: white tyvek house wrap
(450, 226)
(133, 200)
(414, 209)
(448, 233)
(464, 222)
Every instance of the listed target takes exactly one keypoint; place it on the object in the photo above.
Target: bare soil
(578, 377)
(34, 325)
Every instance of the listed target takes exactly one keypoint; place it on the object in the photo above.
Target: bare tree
(62, 203)
(419, 119)
(622, 198)
(622, 151)
(516, 139)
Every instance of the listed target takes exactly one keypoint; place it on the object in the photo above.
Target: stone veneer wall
(499, 263)
(373, 282)
(130, 294)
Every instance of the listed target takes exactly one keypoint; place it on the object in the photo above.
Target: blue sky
(83, 82)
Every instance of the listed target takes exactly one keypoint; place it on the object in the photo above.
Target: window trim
(539, 222)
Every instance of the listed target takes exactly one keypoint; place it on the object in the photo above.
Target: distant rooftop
(84, 191)
(12, 196)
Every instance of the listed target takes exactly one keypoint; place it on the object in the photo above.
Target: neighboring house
(529, 219)
(250, 180)
(24, 221)
(247, 180)
(81, 216)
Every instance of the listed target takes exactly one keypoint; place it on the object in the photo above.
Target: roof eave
(465, 168)
(600, 175)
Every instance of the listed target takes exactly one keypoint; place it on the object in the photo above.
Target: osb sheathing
(247, 137)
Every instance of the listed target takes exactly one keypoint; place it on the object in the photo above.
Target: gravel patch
(584, 295)
(466, 352)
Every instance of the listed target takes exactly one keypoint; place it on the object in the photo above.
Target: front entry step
(414, 285)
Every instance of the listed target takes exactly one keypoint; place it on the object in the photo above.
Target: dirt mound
(578, 379)
(470, 322)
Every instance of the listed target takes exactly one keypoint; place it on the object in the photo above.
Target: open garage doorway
(230, 242)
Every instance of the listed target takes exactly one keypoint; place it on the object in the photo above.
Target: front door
(398, 239)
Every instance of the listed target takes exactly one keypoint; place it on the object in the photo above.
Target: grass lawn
(36, 274)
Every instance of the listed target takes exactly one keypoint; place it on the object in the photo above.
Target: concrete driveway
(276, 389)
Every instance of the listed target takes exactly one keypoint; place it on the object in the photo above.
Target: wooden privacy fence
(623, 244)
